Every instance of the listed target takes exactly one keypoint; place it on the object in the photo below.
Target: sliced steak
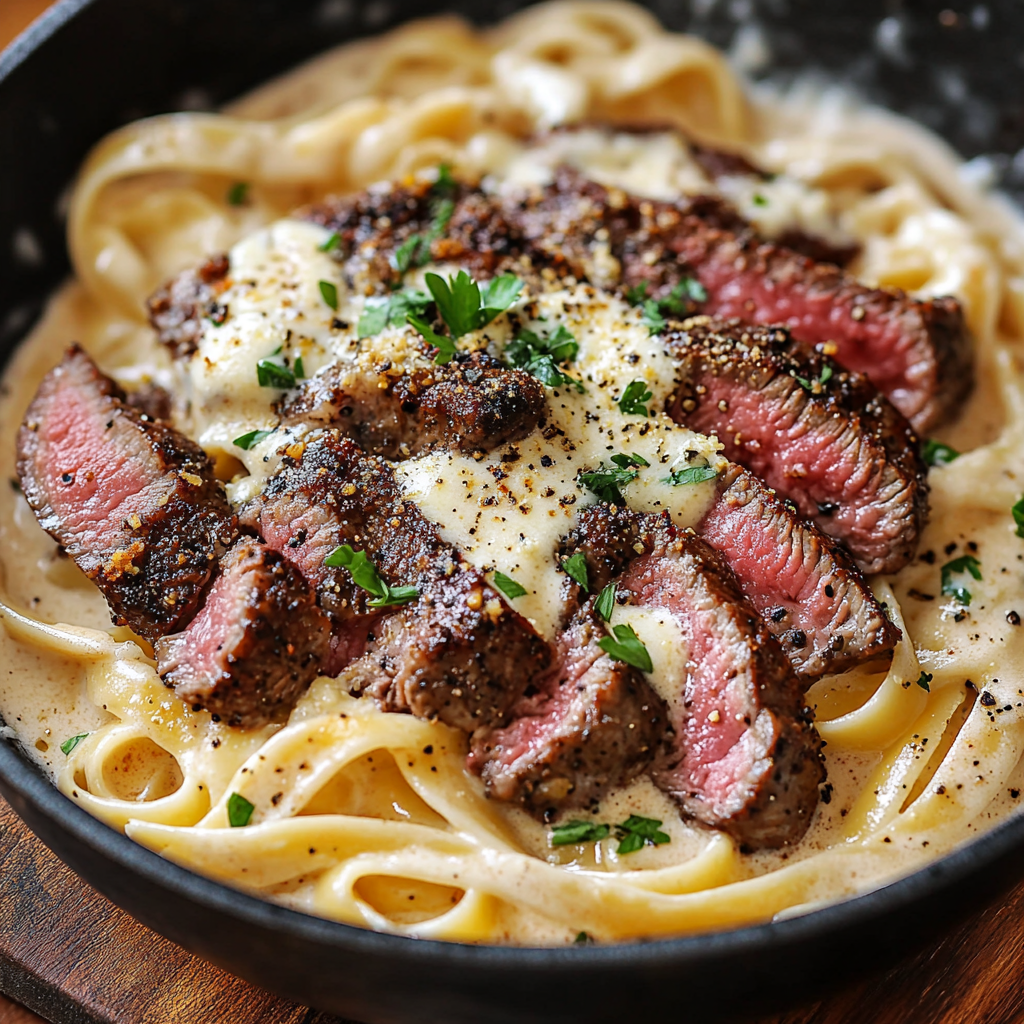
(474, 403)
(177, 309)
(457, 652)
(582, 729)
(804, 586)
(130, 499)
(746, 757)
(256, 643)
(819, 435)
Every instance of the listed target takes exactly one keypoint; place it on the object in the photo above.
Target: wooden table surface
(77, 958)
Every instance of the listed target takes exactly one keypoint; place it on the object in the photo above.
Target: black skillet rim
(21, 777)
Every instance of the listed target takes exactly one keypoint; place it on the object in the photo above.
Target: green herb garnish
(69, 744)
(677, 303)
(605, 603)
(935, 453)
(238, 193)
(636, 831)
(364, 574)
(300, 370)
(1018, 517)
(815, 386)
(239, 811)
(415, 250)
(540, 356)
(759, 200)
(583, 939)
(247, 441)
(329, 292)
(690, 475)
(465, 307)
(576, 568)
(627, 647)
(445, 346)
(606, 483)
(923, 680)
(331, 244)
(508, 586)
(391, 310)
(274, 375)
(633, 399)
(965, 563)
(573, 832)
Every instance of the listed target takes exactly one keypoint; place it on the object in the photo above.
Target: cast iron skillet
(90, 65)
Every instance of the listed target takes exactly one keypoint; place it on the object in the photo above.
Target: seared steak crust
(819, 435)
(130, 499)
(917, 353)
(587, 726)
(802, 583)
(256, 643)
(458, 652)
(473, 403)
(178, 308)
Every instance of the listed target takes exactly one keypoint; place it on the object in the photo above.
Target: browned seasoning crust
(84, 457)
(177, 309)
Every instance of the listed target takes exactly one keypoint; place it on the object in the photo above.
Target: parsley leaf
(331, 244)
(464, 308)
(635, 294)
(935, 453)
(247, 441)
(300, 370)
(238, 193)
(815, 386)
(508, 586)
(69, 744)
(634, 397)
(627, 647)
(653, 320)
(583, 939)
(391, 310)
(758, 200)
(239, 811)
(607, 483)
(965, 563)
(690, 475)
(415, 250)
(329, 292)
(274, 375)
(923, 680)
(605, 604)
(679, 302)
(636, 831)
(576, 567)
(1018, 517)
(573, 832)
(445, 346)
(364, 574)
(537, 355)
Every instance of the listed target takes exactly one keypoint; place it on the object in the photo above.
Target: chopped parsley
(627, 647)
(391, 310)
(573, 832)
(415, 250)
(331, 244)
(69, 744)
(636, 831)
(607, 483)
(364, 574)
(508, 586)
(758, 200)
(300, 370)
(238, 193)
(923, 680)
(445, 346)
(935, 453)
(1018, 517)
(540, 356)
(576, 568)
(606, 602)
(690, 475)
(679, 302)
(274, 375)
(964, 564)
(247, 441)
(239, 811)
(583, 939)
(330, 294)
(634, 399)
(815, 386)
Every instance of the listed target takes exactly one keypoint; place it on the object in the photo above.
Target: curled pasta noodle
(372, 818)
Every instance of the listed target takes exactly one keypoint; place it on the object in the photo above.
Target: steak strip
(457, 652)
(819, 435)
(588, 725)
(130, 499)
